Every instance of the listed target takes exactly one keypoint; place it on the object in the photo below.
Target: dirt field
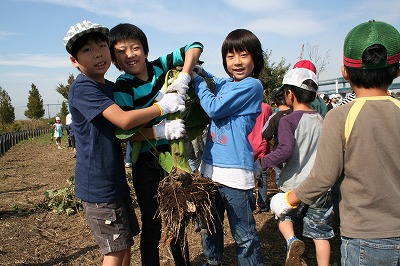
(32, 236)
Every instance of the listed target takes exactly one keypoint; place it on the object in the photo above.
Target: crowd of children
(310, 153)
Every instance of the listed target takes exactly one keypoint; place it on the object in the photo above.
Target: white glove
(180, 84)
(169, 129)
(280, 206)
(171, 103)
(160, 94)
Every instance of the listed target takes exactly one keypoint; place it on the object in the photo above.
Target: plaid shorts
(316, 218)
(113, 224)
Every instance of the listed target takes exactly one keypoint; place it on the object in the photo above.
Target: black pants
(147, 174)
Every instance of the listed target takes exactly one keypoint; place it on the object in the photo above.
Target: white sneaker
(128, 165)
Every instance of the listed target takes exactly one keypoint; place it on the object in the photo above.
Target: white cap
(297, 76)
(333, 96)
(80, 29)
(58, 118)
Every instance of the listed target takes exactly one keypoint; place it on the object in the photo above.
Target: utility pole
(301, 52)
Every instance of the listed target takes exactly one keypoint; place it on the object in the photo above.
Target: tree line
(271, 75)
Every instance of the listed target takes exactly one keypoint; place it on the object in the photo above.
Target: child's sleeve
(238, 99)
(177, 57)
(284, 150)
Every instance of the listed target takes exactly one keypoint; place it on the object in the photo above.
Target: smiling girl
(228, 156)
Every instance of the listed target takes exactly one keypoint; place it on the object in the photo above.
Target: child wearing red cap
(318, 104)
(363, 140)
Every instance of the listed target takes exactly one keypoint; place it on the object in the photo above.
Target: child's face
(131, 58)
(94, 60)
(239, 64)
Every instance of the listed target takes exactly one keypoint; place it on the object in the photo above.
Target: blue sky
(31, 33)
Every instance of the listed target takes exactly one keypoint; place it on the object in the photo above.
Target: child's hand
(180, 84)
(171, 103)
(169, 129)
(280, 205)
(198, 70)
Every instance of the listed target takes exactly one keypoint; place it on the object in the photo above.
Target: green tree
(273, 73)
(7, 114)
(35, 108)
(64, 89)
(64, 110)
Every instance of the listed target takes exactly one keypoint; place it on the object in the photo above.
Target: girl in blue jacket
(228, 156)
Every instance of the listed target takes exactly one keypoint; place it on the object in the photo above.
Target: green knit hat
(369, 33)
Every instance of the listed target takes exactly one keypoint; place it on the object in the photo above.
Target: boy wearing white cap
(100, 179)
(363, 140)
(298, 139)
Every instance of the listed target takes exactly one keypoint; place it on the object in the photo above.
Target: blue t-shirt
(99, 172)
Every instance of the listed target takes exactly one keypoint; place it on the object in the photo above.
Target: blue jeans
(277, 173)
(371, 252)
(262, 191)
(239, 206)
(316, 218)
(128, 156)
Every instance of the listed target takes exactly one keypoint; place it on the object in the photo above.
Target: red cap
(306, 64)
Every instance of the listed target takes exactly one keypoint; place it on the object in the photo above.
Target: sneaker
(296, 249)
(59, 147)
(128, 165)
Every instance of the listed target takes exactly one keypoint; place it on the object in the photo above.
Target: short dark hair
(302, 95)
(373, 78)
(81, 41)
(278, 97)
(126, 31)
(244, 40)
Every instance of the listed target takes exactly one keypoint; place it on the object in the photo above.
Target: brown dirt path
(31, 236)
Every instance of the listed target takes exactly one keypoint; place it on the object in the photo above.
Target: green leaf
(136, 147)
(125, 134)
(165, 159)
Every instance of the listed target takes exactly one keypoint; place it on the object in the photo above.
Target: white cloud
(5, 34)
(287, 26)
(35, 60)
(17, 74)
(259, 5)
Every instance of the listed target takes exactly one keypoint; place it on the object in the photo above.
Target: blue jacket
(233, 109)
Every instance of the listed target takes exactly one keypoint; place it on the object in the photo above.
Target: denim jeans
(371, 252)
(147, 175)
(262, 201)
(239, 205)
(277, 173)
(128, 156)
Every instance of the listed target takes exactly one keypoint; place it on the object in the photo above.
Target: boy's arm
(182, 81)
(169, 103)
(191, 60)
(130, 119)
(284, 150)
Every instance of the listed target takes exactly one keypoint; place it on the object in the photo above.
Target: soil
(33, 236)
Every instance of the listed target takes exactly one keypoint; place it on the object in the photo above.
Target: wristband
(159, 107)
(287, 200)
